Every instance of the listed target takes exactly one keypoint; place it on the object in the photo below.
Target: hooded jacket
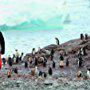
(2, 44)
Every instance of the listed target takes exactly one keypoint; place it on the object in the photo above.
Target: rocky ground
(62, 79)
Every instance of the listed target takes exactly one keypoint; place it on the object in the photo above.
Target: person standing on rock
(2, 48)
(57, 41)
(50, 71)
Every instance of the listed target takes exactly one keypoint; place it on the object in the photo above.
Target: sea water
(25, 40)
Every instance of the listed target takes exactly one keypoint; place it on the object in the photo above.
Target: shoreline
(65, 76)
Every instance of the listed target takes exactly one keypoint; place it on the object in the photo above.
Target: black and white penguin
(67, 62)
(53, 64)
(50, 71)
(57, 41)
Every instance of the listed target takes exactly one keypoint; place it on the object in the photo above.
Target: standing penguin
(67, 62)
(44, 74)
(88, 73)
(50, 71)
(84, 51)
(86, 36)
(57, 41)
(26, 64)
(80, 62)
(81, 36)
(52, 54)
(2, 47)
(53, 64)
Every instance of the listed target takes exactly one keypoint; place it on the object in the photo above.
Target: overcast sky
(16, 11)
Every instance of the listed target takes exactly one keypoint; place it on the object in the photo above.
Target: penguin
(67, 62)
(61, 57)
(86, 36)
(26, 64)
(84, 51)
(44, 64)
(16, 70)
(36, 61)
(88, 73)
(57, 41)
(53, 64)
(79, 74)
(52, 54)
(9, 73)
(81, 36)
(44, 74)
(80, 62)
(40, 73)
(50, 71)
(10, 62)
(61, 64)
(36, 70)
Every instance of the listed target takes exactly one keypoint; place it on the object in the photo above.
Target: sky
(13, 12)
(17, 11)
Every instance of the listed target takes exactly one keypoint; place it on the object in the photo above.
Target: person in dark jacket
(2, 44)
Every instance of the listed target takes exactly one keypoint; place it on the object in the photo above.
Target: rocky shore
(69, 50)
(65, 79)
